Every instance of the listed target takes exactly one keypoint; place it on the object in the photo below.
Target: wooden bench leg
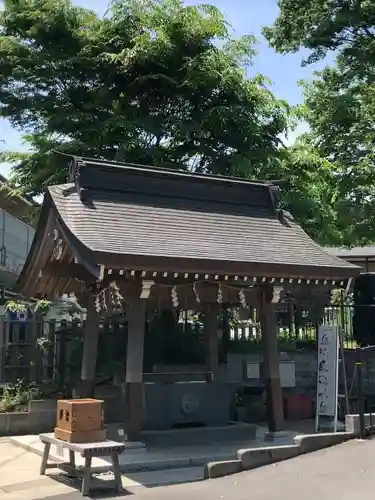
(72, 464)
(72, 459)
(43, 467)
(117, 472)
(86, 482)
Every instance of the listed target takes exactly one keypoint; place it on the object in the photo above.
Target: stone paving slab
(35, 491)
(20, 479)
(158, 458)
(138, 461)
(19, 475)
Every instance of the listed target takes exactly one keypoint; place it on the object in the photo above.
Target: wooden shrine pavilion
(137, 237)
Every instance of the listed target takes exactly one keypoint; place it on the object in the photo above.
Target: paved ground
(174, 454)
(192, 454)
(346, 471)
(20, 479)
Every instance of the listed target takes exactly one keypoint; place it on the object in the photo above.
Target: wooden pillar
(134, 368)
(275, 413)
(86, 386)
(212, 340)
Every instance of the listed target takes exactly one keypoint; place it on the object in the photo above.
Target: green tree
(339, 104)
(340, 115)
(147, 84)
(153, 82)
(345, 26)
(310, 192)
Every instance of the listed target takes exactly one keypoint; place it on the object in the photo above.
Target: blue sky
(245, 16)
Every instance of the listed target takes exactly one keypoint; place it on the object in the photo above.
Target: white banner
(328, 349)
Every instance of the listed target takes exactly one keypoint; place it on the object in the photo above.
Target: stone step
(192, 436)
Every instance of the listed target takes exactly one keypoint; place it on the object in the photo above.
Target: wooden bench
(88, 451)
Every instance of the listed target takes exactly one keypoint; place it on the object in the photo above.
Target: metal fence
(297, 327)
(365, 396)
(41, 351)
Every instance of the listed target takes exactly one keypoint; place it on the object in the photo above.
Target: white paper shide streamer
(242, 297)
(197, 298)
(116, 296)
(98, 306)
(220, 295)
(174, 296)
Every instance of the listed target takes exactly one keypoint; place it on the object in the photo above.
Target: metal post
(361, 400)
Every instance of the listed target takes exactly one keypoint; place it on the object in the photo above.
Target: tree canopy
(153, 82)
(147, 84)
(339, 103)
(345, 26)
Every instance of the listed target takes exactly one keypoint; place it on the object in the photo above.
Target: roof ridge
(107, 177)
(173, 172)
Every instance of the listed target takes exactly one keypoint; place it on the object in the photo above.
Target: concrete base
(117, 433)
(218, 458)
(149, 459)
(40, 417)
(192, 436)
(352, 422)
(251, 459)
(221, 469)
(275, 436)
(200, 436)
(257, 457)
(135, 445)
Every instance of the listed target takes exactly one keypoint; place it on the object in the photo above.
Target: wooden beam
(86, 385)
(57, 269)
(134, 367)
(39, 254)
(213, 267)
(212, 339)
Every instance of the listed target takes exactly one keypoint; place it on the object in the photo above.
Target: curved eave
(84, 255)
(42, 248)
(232, 268)
(39, 252)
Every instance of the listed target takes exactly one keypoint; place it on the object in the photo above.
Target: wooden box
(80, 415)
(93, 436)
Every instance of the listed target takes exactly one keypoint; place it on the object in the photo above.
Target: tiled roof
(174, 227)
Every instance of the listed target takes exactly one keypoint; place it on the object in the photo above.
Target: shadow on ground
(101, 490)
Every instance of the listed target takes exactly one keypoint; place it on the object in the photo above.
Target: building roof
(133, 217)
(365, 252)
